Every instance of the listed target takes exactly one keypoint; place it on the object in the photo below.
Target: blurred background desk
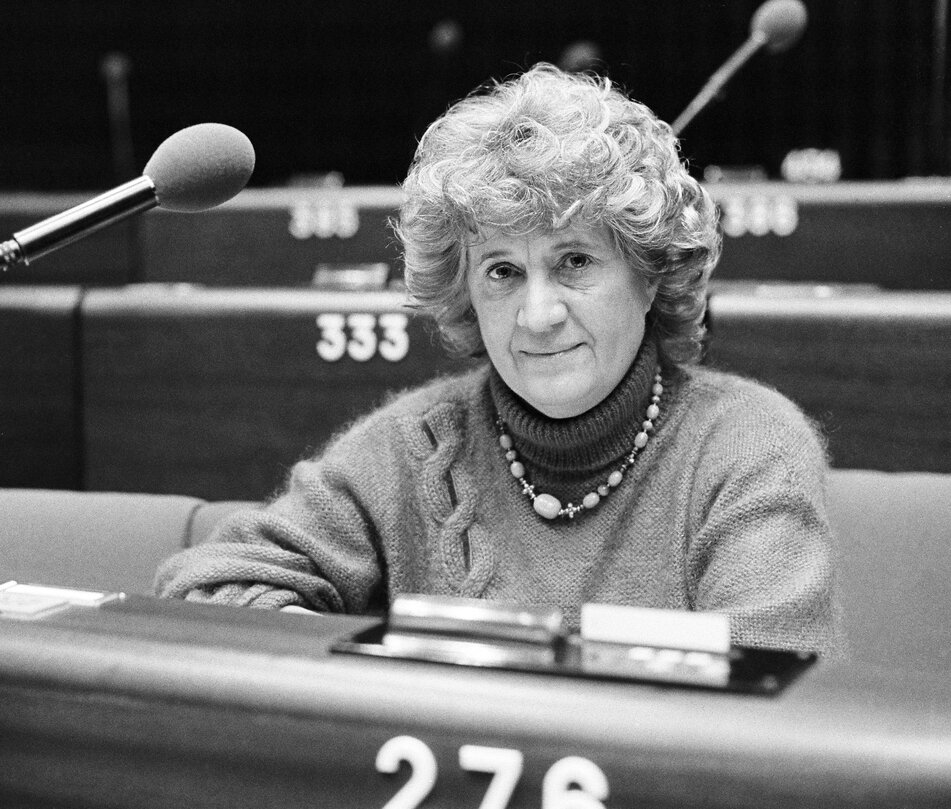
(40, 393)
(893, 234)
(872, 368)
(167, 704)
(214, 378)
(215, 392)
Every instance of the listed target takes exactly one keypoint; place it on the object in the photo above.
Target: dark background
(348, 86)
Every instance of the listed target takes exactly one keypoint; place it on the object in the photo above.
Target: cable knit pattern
(451, 506)
(723, 510)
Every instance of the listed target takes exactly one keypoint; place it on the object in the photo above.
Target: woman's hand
(295, 608)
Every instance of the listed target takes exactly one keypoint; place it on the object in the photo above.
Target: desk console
(146, 703)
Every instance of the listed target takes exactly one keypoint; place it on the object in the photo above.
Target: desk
(871, 367)
(274, 237)
(893, 234)
(150, 703)
(40, 431)
(217, 392)
(109, 256)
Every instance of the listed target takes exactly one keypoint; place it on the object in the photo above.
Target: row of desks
(892, 234)
(215, 392)
(147, 703)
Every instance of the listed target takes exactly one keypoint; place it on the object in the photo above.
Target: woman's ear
(651, 285)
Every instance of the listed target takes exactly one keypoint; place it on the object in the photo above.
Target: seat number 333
(361, 336)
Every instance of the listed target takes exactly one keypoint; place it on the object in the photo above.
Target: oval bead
(658, 389)
(505, 441)
(653, 411)
(615, 478)
(517, 470)
(591, 499)
(640, 440)
(547, 506)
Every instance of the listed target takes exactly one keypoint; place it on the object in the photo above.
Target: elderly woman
(549, 224)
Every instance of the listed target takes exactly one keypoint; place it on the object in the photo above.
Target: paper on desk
(666, 629)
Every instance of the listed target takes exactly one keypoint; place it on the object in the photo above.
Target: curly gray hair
(540, 150)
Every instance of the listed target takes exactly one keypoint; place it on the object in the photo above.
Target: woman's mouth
(553, 353)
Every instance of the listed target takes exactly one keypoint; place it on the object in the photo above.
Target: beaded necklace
(549, 506)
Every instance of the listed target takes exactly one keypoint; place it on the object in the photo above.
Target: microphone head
(200, 167)
(779, 24)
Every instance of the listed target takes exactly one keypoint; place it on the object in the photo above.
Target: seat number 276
(570, 783)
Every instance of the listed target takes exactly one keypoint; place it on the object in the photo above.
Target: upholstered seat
(894, 532)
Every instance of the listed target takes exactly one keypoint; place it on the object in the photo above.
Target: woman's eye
(500, 272)
(576, 261)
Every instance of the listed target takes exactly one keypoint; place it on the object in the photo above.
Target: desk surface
(154, 703)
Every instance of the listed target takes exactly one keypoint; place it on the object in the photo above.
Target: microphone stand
(71, 225)
(939, 144)
(114, 69)
(719, 79)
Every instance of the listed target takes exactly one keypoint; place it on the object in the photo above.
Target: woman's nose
(542, 307)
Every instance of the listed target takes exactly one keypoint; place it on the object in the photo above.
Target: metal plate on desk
(749, 671)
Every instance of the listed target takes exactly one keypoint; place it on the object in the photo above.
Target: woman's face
(561, 314)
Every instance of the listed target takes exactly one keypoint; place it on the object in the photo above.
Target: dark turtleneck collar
(574, 448)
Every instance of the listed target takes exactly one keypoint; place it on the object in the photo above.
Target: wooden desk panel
(873, 368)
(40, 440)
(892, 234)
(165, 704)
(215, 393)
(274, 237)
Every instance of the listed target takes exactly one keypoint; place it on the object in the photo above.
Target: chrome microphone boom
(73, 224)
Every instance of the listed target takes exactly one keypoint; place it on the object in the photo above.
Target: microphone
(195, 169)
(777, 25)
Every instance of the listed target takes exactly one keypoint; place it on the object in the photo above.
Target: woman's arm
(761, 547)
(315, 546)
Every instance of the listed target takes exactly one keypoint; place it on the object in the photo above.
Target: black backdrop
(347, 86)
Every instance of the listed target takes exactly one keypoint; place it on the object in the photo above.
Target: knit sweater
(723, 510)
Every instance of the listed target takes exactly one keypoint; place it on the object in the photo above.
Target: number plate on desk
(571, 782)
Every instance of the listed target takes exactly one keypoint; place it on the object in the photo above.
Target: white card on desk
(666, 629)
(36, 600)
